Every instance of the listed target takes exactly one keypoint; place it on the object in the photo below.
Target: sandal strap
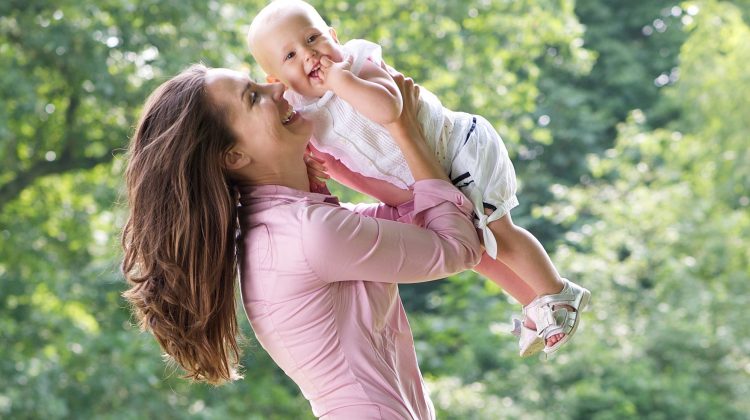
(529, 342)
(554, 321)
(567, 296)
(550, 314)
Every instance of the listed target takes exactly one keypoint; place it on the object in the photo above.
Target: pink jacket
(319, 286)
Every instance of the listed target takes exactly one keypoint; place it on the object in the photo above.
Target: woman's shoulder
(321, 217)
(328, 229)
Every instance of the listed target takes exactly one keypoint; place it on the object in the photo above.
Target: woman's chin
(300, 127)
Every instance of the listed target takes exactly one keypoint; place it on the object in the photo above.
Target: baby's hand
(332, 74)
(317, 172)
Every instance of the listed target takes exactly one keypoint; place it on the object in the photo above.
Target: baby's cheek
(298, 83)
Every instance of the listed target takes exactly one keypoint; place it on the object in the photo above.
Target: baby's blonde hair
(269, 13)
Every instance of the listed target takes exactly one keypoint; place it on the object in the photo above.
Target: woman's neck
(290, 174)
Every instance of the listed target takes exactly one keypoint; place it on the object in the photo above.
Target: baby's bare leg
(521, 252)
(506, 278)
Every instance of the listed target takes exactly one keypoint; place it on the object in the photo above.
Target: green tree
(73, 79)
(636, 183)
(74, 76)
(635, 45)
(664, 254)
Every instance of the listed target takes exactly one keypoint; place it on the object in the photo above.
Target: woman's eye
(253, 98)
(289, 56)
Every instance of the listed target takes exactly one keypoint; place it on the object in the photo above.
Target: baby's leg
(504, 277)
(523, 254)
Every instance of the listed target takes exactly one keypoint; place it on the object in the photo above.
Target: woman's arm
(407, 132)
(341, 245)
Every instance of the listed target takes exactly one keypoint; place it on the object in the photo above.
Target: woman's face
(266, 126)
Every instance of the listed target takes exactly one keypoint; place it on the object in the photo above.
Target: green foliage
(75, 75)
(635, 182)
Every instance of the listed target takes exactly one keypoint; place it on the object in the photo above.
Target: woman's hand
(407, 121)
(407, 131)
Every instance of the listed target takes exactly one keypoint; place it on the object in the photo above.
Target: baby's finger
(326, 62)
(315, 164)
(317, 169)
(311, 173)
(316, 183)
(314, 174)
(315, 158)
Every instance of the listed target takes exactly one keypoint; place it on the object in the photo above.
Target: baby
(347, 92)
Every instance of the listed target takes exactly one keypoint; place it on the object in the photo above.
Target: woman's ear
(272, 79)
(235, 159)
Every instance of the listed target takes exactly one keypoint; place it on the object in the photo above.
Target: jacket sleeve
(379, 210)
(342, 245)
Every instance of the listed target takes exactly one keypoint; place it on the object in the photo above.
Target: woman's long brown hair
(179, 238)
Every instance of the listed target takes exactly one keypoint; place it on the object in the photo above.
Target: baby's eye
(312, 38)
(289, 56)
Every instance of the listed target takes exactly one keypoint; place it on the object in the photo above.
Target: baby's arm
(373, 93)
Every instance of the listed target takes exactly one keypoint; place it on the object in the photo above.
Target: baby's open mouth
(314, 72)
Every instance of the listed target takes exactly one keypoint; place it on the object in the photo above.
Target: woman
(318, 280)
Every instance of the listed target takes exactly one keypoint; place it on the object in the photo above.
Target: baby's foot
(555, 317)
(551, 340)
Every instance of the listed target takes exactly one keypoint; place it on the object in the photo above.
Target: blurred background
(627, 122)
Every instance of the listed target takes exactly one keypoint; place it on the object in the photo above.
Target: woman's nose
(276, 90)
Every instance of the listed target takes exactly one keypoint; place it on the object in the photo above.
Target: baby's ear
(332, 31)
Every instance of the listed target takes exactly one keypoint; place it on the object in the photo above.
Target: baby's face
(290, 48)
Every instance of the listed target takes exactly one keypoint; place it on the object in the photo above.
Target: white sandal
(529, 343)
(552, 317)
